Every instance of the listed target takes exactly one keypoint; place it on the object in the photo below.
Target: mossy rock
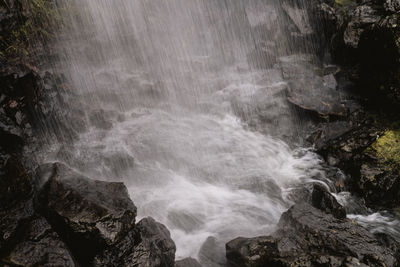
(386, 149)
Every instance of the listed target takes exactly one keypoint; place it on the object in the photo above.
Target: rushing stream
(172, 108)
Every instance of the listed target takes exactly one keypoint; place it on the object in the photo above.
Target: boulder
(325, 201)
(39, 246)
(379, 180)
(149, 245)
(307, 236)
(312, 91)
(88, 214)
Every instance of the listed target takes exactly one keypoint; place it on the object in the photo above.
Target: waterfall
(184, 101)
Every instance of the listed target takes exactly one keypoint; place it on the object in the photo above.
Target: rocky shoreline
(53, 216)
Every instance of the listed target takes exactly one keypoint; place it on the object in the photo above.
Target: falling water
(176, 108)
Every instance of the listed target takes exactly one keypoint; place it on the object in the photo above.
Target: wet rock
(212, 253)
(325, 132)
(344, 151)
(299, 17)
(149, 245)
(323, 200)
(379, 180)
(362, 17)
(364, 37)
(15, 197)
(40, 246)
(310, 90)
(156, 247)
(88, 214)
(187, 262)
(308, 237)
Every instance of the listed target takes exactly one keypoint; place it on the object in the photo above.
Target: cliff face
(364, 37)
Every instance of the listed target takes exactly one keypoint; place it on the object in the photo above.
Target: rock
(187, 262)
(326, 132)
(379, 180)
(150, 245)
(88, 214)
(362, 17)
(344, 150)
(299, 17)
(212, 253)
(156, 247)
(323, 200)
(40, 246)
(308, 237)
(310, 90)
(392, 5)
(11, 137)
(15, 197)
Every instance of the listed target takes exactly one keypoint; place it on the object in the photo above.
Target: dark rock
(156, 247)
(323, 200)
(379, 180)
(212, 253)
(311, 92)
(88, 214)
(15, 197)
(40, 246)
(344, 151)
(187, 262)
(308, 237)
(362, 17)
(149, 245)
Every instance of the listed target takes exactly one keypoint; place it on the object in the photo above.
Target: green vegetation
(387, 149)
(38, 21)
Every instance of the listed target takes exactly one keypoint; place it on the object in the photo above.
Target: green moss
(40, 20)
(387, 149)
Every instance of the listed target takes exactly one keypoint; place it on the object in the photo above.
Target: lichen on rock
(386, 149)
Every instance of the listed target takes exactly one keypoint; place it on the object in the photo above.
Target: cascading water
(170, 99)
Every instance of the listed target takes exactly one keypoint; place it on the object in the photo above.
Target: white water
(167, 95)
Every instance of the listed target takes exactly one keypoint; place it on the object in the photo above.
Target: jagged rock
(40, 246)
(323, 200)
(361, 18)
(379, 179)
(187, 262)
(149, 245)
(88, 214)
(392, 5)
(308, 237)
